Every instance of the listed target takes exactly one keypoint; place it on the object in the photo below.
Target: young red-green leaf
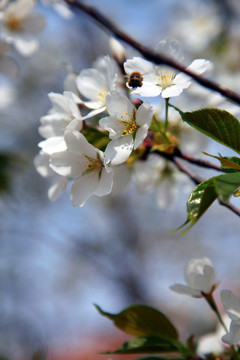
(228, 163)
(146, 345)
(218, 124)
(142, 320)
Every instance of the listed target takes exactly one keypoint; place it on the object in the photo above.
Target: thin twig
(157, 58)
(196, 179)
(198, 162)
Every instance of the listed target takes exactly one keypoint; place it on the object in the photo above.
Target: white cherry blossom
(18, 25)
(65, 110)
(160, 80)
(200, 277)
(127, 126)
(231, 304)
(95, 83)
(86, 165)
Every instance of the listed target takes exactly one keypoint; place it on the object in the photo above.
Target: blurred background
(56, 261)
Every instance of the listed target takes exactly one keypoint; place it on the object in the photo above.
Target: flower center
(128, 126)
(92, 165)
(102, 95)
(13, 23)
(164, 79)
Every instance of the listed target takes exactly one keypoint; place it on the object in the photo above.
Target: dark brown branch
(157, 58)
(198, 162)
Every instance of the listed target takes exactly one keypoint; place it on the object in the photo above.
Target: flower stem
(210, 300)
(166, 114)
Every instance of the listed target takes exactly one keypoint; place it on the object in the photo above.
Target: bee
(135, 79)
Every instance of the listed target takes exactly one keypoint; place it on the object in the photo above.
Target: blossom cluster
(97, 131)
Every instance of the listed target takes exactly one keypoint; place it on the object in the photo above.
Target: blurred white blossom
(19, 23)
(231, 304)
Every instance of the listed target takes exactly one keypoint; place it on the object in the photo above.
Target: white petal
(41, 163)
(147, 90)
(68, 164)
(21, 8)
(93, 113)
(75, 125)
(233, 337)
(72, 101)
(119, 150)
(91, 83)
(119, 105)
(186, 290)
(105, 183)
(140, 136)
(57, 188)
(82, 189)
(144, 114)
(113, 125)
(198, 66)
(78, 144)
(63, 10)
(231, 303)
(138, 64)
(26, 47)
(59, 103)
(195, 267)
(53, 144)
(173, 90)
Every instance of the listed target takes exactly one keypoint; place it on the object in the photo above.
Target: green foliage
(141, 320)
(217, 124)
(146, 345)
(207, 192)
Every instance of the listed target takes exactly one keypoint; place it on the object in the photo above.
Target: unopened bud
(137, 103)
(117, 50)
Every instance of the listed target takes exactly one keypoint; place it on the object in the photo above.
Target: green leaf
(218, 124)
(146, 345)
(226, 184)
(141, 320)
(202, 197)
(199, 200)
(228, 163)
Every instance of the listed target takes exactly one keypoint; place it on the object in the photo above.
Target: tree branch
(198, 162)
(157, 58)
